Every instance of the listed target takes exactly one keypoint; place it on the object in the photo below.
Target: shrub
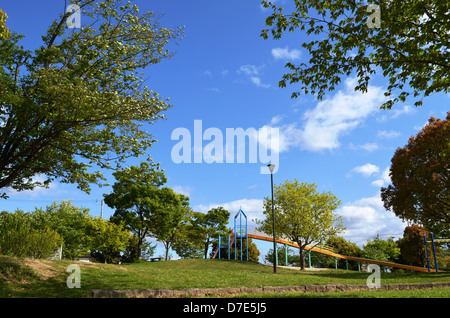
(19, 239)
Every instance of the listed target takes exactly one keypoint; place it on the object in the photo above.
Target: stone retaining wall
(234, 291)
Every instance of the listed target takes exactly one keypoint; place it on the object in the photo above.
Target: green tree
(106, 239)
(188, 237)
(344, 247)
(19, 238)
(372, 252)
(410, 47)
(420, 176)
(377, 246)
(78, 103)
(69, 221)
(142, 204)
(302, 215)
(166, 226)
(213, 224)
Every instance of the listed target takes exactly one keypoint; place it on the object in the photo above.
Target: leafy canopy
(302, 215)
(78, 103)
(69, 221)
(106, 238)
(212, 224)
(420, 175)
(143, 204)
(411, 46)
(388, 249)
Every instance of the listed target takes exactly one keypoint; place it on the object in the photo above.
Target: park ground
(28, 278)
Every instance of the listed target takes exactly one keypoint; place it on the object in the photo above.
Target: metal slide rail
(316, 249)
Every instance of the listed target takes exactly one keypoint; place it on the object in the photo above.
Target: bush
(69, 221)
(19, 239)
(106, 240)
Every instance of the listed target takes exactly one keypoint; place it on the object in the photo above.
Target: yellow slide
(330, 253)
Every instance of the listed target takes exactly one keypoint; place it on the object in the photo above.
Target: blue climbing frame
(434, 252)
(240, 231)
(224, 245)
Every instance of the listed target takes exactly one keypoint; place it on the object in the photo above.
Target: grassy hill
(45, 278)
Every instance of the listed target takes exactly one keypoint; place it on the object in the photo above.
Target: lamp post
(271, 167)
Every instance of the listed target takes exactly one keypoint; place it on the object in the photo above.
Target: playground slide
(262, 236)
(330, 253)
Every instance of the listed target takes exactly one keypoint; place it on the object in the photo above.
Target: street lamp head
(271, 167)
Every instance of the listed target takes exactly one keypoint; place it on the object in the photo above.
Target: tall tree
(188, 237)
(213, 224)
(406, 41)
(69, 221)
(77, 103)
(420, 175)
(302, 215)
(140, 201)
(165, 227)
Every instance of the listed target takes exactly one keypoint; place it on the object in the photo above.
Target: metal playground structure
(241, 231)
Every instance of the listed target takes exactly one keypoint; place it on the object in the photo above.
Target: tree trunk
(206, 249)
(167, 253)
(302, 258)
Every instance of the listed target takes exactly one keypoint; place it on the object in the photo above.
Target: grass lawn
(24, 278)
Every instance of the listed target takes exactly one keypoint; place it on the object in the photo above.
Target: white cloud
(186, 190)
(285, 54)
(249, 70)
(367, 170)
(334, 117)
(276, 119)
(257, 81)
(253, 73)
(370, 146)
(384, 179)
(288, 136)
(388, 134)
(331, 119)
(366, 218)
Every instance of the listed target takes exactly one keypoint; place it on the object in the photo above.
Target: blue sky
(224, 74)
